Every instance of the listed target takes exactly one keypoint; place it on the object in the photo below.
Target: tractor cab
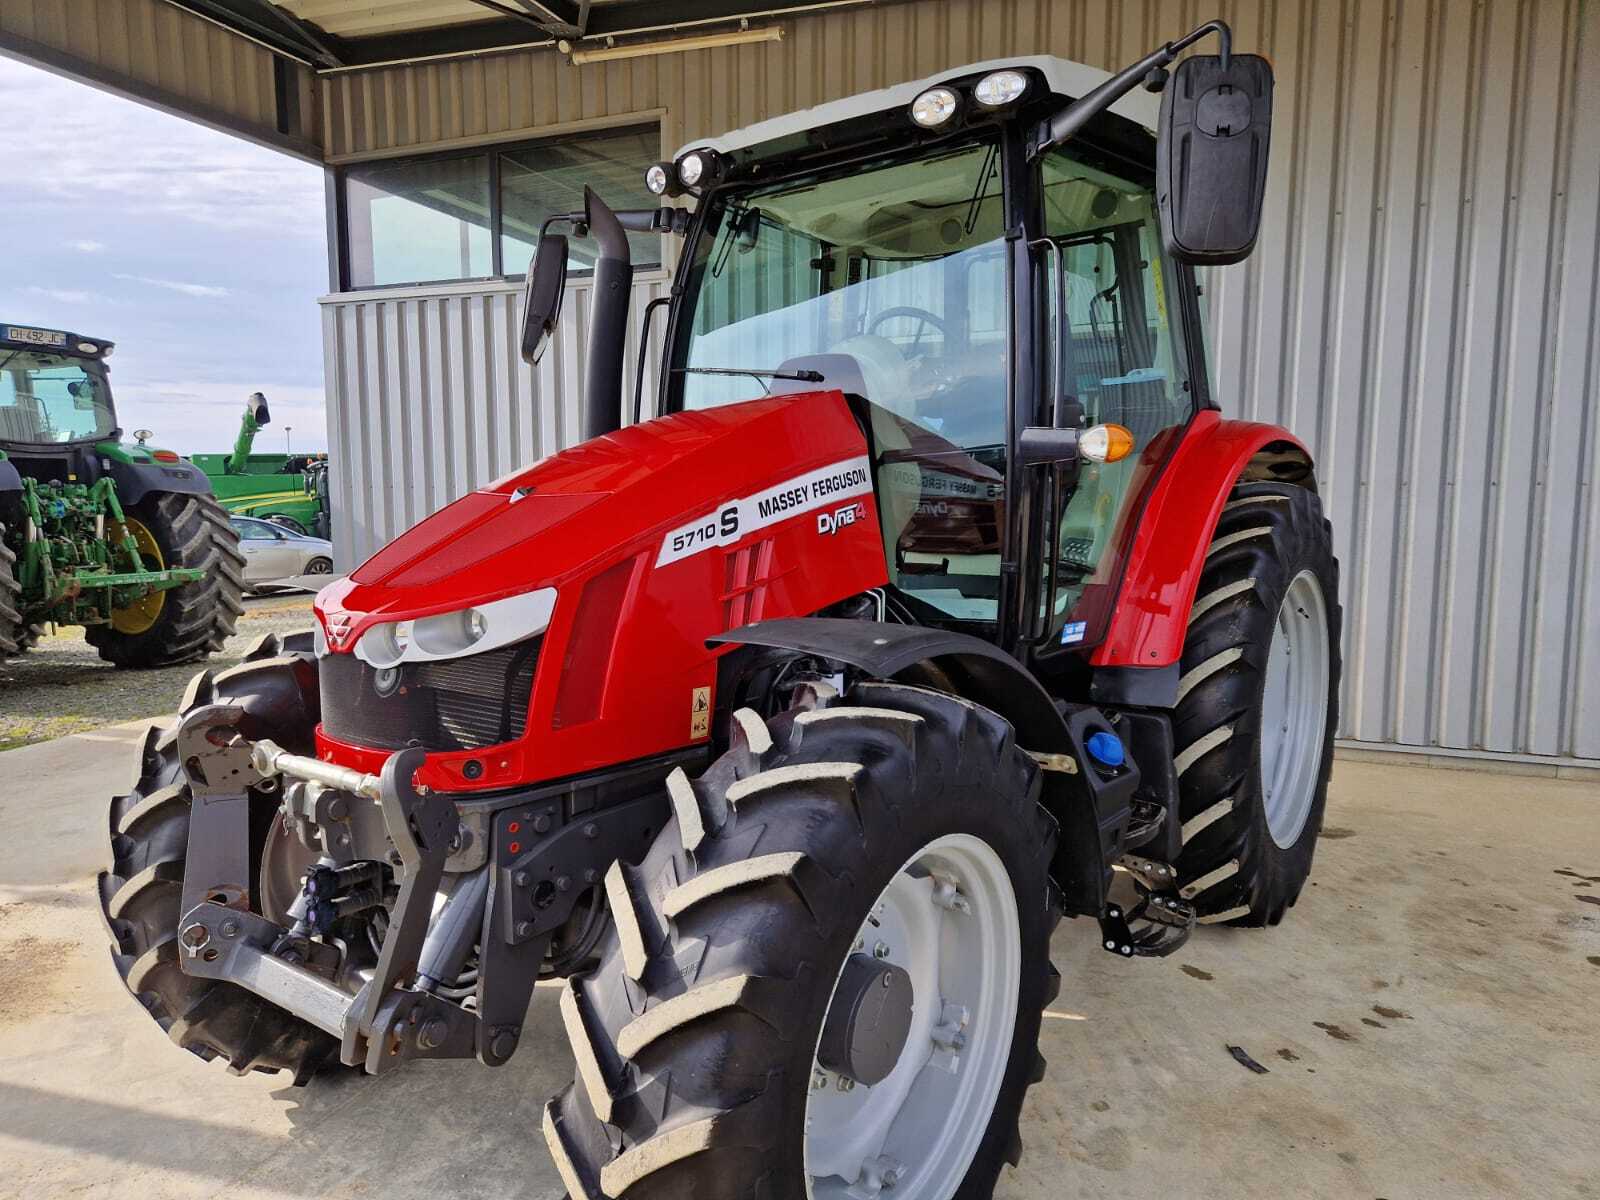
(915, 248)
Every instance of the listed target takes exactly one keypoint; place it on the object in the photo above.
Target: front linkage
(510, 869)
(69, 569)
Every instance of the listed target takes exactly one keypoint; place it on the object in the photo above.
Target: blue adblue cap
(1106, 749)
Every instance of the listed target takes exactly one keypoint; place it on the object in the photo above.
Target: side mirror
(258, 409)
(541, 296)
(1211, 157)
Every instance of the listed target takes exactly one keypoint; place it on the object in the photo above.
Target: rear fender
(1174, 532)
(135, 481)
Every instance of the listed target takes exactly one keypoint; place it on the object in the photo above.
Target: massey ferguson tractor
(125, 540)
(939, 601)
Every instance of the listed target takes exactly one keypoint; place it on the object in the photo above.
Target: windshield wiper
(801, 376)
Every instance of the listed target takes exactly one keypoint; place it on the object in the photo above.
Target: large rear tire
(697, 1036)
(140, 895)
(1257, 706)
(194, 620)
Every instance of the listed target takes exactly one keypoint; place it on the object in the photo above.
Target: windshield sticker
(802, 494)
(1073, 631)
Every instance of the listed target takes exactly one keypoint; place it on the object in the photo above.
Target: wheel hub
(868, 1020)
(946, 930)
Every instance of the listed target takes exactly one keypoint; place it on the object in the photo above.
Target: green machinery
(288, 489)
(124, 540)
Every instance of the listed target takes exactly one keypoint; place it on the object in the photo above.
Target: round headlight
(655, 178)
(1000, 88)
(934, 107)
(691, 168)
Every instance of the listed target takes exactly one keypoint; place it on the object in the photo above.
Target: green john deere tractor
(126, 541)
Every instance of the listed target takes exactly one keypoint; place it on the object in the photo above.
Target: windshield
(53, 398)
(891, 281)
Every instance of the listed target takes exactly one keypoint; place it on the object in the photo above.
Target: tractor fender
(135, 481)
(940, 658)
(1174, 530)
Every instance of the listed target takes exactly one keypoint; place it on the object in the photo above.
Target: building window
(538, 181)
(430, 220)
(420, 220)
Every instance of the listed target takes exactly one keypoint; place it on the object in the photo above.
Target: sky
(199, 254)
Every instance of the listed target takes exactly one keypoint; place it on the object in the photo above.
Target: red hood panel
(548, 523)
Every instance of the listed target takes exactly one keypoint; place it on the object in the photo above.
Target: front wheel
(319, 566)
(826, 978)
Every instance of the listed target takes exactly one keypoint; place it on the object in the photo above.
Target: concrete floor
(1427, 1016)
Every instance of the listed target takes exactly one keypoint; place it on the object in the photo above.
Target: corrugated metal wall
(431, 398)
(1422, 307)
(162, 55)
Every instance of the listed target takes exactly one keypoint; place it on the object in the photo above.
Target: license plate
(35, 337)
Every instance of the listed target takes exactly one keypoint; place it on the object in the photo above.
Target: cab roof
(1066, 78)
(61, 341)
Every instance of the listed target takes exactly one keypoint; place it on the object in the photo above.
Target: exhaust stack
(608, 319)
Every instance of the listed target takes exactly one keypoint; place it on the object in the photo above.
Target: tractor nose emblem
(338, 627)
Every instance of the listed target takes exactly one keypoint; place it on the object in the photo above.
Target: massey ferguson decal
(802, 494)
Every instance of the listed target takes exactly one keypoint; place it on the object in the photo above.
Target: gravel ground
(61, 686)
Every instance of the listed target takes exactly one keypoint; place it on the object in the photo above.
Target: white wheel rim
(1294, 709)
(918, 1130)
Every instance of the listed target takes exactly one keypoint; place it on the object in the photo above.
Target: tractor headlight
(657, 179)
(1000, 88)
(934, 107)
(452, 634)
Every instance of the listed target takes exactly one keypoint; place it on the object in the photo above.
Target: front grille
(457, 704)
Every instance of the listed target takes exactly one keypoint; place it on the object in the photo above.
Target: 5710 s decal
(813, 490)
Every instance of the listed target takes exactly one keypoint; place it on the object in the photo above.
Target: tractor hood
(562, 520)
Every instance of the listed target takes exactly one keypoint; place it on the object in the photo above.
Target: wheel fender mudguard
(979, 671)
(1174, 529)
(135, 481)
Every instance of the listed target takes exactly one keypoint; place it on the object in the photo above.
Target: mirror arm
(1057, 129)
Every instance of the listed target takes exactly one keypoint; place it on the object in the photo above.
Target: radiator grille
(457, 704)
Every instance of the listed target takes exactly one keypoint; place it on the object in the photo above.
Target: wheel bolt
(846, 1084)
(881, 950)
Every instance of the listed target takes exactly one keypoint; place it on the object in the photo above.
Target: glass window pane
(52, 398)
(901, 269)
(540, 181)
(1123, 354)
(417, 222)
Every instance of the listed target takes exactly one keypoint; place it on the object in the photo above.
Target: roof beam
(530, 23)
(269, 24)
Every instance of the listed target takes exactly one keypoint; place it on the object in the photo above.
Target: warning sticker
(802, 494)
(700, 713)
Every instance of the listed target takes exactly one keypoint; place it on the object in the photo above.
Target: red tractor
(939, 601)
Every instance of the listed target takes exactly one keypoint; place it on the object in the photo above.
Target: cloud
(171, 168)
(177, 285)
(86, 246)
(62, 295)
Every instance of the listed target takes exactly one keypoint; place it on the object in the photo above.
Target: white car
(272, 552)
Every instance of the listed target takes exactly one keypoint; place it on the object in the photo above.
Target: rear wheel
(319, 566)
(1257, 706)
(826, 978)
(184, 623)
(141, 894)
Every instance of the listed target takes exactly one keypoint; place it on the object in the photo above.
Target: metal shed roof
(335, 34)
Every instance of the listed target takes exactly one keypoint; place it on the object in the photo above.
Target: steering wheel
(923, 317)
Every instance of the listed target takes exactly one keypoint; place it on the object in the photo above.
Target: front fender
(1174, 532)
